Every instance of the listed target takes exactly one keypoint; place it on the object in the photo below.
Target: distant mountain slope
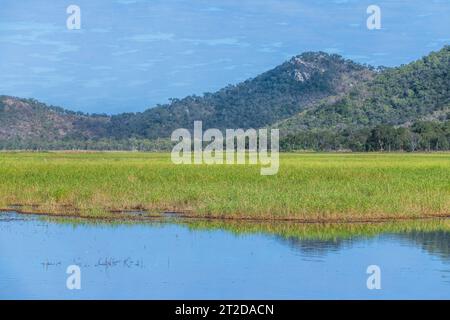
(272, 96)
(28, 119)
(313, 97)
(397, 96)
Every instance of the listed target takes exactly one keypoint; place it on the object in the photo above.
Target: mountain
(397, 96)
(318, 100)
(278, 94)
(30, 119)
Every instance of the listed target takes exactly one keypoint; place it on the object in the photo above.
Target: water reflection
(316, 248)
(436, 243)
(195, 259)
(433, 242)
(432, 235)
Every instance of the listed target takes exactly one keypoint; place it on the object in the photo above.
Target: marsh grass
(307, 187)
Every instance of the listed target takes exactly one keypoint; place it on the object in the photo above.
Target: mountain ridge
(311, 92)
(276, 94)
(396, 96)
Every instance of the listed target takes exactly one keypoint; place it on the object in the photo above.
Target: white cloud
(124, 52)
(126, 2)
(42, 69)
(97, 83)
(217, 42)
(151, 37)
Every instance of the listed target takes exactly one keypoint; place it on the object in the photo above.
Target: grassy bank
(307, 187)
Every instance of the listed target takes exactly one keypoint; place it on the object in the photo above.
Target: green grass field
(322, 187)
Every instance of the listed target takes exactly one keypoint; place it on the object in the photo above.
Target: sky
(130, 55)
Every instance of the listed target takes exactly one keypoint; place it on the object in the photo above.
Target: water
(175, 261)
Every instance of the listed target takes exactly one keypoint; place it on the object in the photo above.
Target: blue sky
(132, 54)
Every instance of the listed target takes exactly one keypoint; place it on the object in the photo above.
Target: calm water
(173, 261)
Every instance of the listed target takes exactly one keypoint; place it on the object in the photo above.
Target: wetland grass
(308, 187)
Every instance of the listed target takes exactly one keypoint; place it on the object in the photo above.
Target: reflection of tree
(315, 248)
(317, 239)
(436, 243)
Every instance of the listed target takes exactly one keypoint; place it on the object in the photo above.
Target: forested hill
(404, 108)
(277, 94)
(319, 101)
(29, 119)
(397, 96)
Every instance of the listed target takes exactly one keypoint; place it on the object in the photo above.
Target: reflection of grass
(300, 231)
(308, 186)
(322, 231)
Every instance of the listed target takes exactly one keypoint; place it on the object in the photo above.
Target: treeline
(131, 144)
(421, 136)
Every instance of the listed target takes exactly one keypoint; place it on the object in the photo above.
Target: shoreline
(137, 216)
